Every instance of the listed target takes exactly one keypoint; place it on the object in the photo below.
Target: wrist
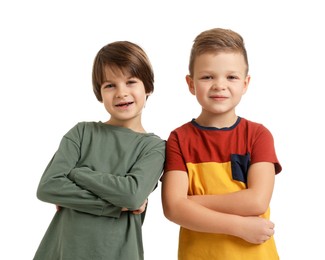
(72, 174)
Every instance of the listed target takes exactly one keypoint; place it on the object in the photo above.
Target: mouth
(218, 97)
(124, 104)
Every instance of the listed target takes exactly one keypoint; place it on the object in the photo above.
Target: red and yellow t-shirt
(217, 162)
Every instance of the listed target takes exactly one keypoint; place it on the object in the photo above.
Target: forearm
(63, 192)
(244, 203)
(129, 190)
(193, 216)
(252, 201)
(54, 187)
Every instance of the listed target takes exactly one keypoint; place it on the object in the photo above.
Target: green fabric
(97, 170)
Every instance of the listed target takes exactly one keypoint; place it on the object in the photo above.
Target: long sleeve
(100, 169)
(97, 170)
(129, 189)
(56, 188)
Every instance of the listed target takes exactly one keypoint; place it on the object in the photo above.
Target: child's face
(219, 81)
(124, 98)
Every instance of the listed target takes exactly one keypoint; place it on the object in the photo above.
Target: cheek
(242, 91)
(200, 93)
(107, 100)
(107, 105)
(141, 96)
(238, 96)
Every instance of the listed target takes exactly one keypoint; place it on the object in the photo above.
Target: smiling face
(124, 98)
(218, 82)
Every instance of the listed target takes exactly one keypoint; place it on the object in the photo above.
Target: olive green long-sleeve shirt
(97, 170)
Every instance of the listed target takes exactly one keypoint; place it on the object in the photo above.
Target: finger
(272, 225)
(271, 233)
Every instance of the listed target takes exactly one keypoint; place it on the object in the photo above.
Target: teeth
(124, 104)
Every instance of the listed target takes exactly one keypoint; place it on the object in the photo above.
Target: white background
(46, 55)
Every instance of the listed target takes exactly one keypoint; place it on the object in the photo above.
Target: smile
(124, 104)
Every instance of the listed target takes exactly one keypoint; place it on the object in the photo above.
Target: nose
(121, 92)
(218, 84)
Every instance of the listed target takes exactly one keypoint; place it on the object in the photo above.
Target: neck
(218, 121)
(134, 126)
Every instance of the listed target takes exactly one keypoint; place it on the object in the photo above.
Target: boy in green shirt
(103, 172)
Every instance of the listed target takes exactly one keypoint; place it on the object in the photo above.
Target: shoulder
(181, 133)
(256, 132)
(253, 126)
(85, 124)
(183, 128)
(79, 129)
(152, 141)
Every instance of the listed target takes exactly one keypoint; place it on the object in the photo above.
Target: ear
(190, 84)
(148, 94)
(246, 83)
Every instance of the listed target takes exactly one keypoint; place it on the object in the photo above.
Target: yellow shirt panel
(212, 178)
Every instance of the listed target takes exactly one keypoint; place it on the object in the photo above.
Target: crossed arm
(137, 211)
(234, 213)
(253, 201)
(94, 192)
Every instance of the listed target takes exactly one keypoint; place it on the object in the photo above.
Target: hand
(142, 208)
(256, 230)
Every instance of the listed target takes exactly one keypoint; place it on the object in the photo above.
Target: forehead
(220, 60)
(110, 72)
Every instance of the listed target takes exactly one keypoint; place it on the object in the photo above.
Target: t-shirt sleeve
(174, 158)
(263, 149)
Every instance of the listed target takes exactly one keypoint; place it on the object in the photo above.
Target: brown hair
(126, 56)
(215, 41)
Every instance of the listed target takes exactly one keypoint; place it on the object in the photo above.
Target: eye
(106, 85)
(132, 81)
(206, 77)
(232, 77)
